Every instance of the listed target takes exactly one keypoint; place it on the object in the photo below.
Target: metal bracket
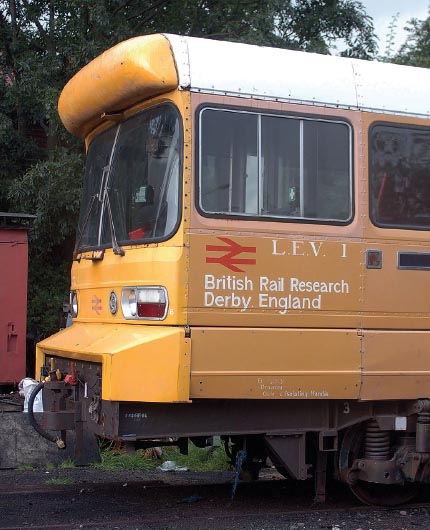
(290, 451)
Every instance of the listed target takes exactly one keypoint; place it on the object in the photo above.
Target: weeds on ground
(26, 467)
(113, 458)
(59, 481)
(199, 459)
(67, 464)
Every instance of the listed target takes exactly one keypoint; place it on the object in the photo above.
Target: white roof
(219, 67)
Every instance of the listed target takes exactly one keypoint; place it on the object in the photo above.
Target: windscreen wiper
(104, 187)
(84, 226)
(115, 247)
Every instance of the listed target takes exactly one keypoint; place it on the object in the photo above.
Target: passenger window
(229, 163)
(271, 166)
(400, 176)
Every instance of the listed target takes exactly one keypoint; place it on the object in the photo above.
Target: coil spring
(376, 442)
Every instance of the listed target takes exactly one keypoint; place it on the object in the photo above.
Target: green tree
(390, 39)
(50, 188)
(416, 50)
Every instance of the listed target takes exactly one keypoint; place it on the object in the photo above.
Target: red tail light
(149, 303)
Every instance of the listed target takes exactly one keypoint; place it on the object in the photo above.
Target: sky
(382, 12)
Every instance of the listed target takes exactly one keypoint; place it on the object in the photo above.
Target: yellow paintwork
(276, 364)
(139, 363)
(274, 295)
(351, 333)
(156, 366)
(388, 299)
(395, 364)
(162, 264)
(132, 71)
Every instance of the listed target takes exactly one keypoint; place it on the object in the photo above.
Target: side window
(281, 166)
(272, 166)
(228, 162)
(399, 169)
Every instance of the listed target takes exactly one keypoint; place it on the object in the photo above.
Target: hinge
(359, 332)
(187, 330)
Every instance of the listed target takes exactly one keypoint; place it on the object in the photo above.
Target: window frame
(277, 114)
(156, 240)
(370, 180)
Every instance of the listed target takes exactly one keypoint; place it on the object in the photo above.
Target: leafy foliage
(390, 38)
(48, 286)
(416, 50)
(52, 189)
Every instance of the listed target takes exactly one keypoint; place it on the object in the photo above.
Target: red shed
(13, 295)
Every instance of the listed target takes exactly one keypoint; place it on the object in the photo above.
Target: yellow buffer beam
(139, 363)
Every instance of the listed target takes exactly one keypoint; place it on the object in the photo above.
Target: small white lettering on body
(297, 285)
(232, 300)
(304, 248)
(284, 303)
(228, 283)
(316, 247)
(268, 284)
(298, 248)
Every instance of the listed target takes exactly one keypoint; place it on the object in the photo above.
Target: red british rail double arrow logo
(231, 249)
(96, 304)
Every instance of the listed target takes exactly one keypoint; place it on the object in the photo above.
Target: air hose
(56, 440)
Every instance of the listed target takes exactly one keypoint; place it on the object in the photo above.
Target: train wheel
(384, 495)
(368, 492)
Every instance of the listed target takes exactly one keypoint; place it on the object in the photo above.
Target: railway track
(191, 501)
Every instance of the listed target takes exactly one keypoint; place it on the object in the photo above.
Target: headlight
(73, 298)
(146, 303)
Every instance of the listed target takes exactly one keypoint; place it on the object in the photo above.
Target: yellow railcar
(252, 260)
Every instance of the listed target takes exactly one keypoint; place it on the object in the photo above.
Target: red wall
(13, 303)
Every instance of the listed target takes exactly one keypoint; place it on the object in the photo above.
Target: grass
(26, 467)
(112, 459)
(59, 481)
(67, 464)
(206, 459)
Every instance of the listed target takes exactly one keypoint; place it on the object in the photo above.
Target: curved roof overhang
(131, 71)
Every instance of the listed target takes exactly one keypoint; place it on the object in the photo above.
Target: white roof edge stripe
(244, 70)
(179, 47)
